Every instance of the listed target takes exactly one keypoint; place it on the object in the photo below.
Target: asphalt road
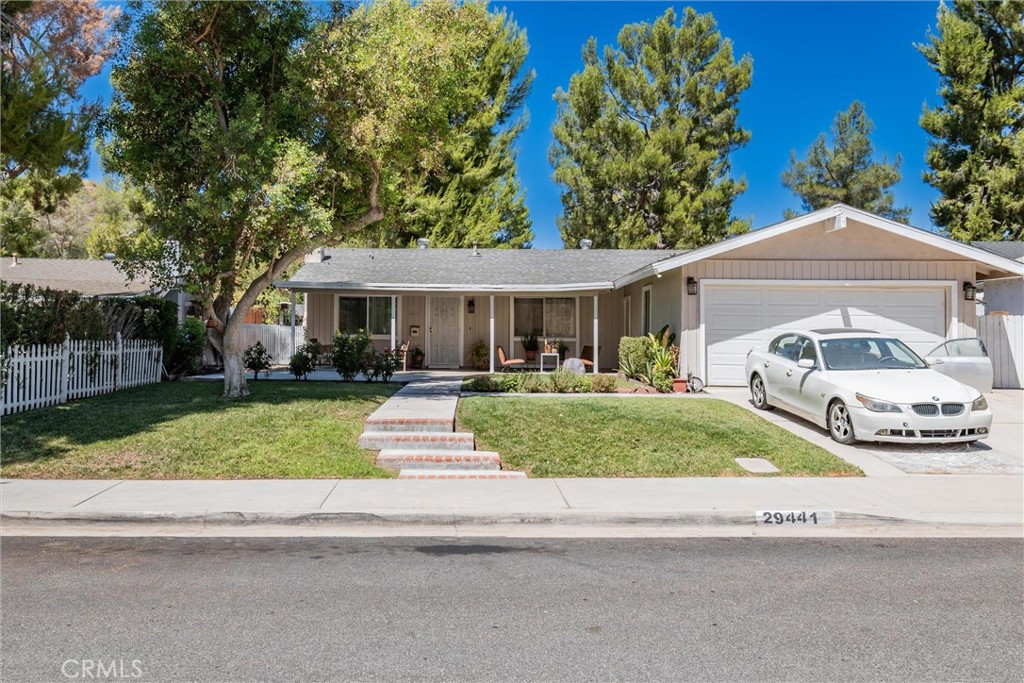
(496, 609)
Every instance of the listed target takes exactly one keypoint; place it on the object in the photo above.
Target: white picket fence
(1004, 338)
(276, 339)
(45, 375)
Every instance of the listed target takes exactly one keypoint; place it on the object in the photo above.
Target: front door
(444, 331)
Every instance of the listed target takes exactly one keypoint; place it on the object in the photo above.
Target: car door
(965, 360)
(780, 366)
(807, 385)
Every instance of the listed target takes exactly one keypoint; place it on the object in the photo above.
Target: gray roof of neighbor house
(1010, 250)
(481, 270)
(87, 276)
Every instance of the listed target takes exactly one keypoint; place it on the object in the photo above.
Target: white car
(861, 385)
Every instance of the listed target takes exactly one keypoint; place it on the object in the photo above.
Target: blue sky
(811, 59)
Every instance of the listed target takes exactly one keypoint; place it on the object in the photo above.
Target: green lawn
(185, 430)
(636, 437)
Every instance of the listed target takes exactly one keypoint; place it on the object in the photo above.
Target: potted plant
(562, 348)
(480, 354)
(679, 385)
(417, 357)
(530, 346)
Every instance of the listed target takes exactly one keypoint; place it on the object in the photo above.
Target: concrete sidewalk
(992, 502)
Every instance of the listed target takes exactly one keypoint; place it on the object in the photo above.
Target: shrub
(634, 356)
(304, 360)
(510, 382)
(257, 359)
(602, 384)
(386, 363)
(534, 383)
(564, 381)
(186, 357)
(314, 349)
(483, 383)
(349, 356)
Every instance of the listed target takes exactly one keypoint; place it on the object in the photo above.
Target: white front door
(444, 332)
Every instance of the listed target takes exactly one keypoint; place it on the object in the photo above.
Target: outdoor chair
(403, 354)
(587, 355)
(508, 363)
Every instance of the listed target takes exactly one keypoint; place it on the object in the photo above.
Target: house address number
(795, 517)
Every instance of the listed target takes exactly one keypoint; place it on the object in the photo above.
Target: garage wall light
(970, 291)
(691, 286)
(471, 306)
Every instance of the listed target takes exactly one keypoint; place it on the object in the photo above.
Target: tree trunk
(234, 371)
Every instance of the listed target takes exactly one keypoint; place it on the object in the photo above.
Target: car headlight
(874, 405)
(979, 404)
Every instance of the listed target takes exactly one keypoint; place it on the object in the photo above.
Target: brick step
(424, 459)
(409, 424)
(434, 441)
(460, 474)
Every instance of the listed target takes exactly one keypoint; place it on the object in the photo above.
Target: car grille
(932, 409)
(939, 433)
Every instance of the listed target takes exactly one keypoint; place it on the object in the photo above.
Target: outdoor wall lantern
(691, 286)
(970, 291)
(471, 306)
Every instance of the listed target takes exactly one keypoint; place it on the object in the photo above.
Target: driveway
(1001, 453)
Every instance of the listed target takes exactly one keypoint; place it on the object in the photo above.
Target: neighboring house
(90, 277)
(836, 267)
(1005, 295)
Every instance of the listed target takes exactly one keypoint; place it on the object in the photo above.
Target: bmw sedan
(861, 385)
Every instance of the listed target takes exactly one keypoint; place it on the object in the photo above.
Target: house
(89, 277)
(1003, 295)
(836, 267)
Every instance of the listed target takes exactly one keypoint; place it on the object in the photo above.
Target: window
(553, 317)
(645, 311)
(869, 354)
(785, 346)
(370, 313)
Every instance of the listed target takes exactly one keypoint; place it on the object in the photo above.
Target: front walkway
(331, 375)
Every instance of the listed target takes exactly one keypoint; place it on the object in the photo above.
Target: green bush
(304, 360)
(257, 359)
(186, 357)
(564, 381)
(602, 384)
(350, 354)
(534, 383)
(482, 383)
(510, 382)
(634, 356)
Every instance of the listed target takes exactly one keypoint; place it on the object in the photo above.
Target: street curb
(442, 518)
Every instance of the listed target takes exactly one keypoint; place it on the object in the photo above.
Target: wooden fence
(277, 339)
(1004, 338)
(44, 375)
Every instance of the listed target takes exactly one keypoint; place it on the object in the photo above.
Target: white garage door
(737, 318)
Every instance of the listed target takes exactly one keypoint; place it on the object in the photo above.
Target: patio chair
(403, 354)
(508, 363)
(587, 355)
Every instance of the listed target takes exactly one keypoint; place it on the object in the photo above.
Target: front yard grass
(186, 430)
(636, 437)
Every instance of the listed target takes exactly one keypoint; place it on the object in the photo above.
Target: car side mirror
(806, 363)
(934, 361)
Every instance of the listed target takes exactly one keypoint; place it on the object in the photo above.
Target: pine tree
(643, 137)
(845, 172)
(976, 155)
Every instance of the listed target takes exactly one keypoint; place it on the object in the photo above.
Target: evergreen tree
(976, 155)
(845, 172)
(474, 197)
(643, 137)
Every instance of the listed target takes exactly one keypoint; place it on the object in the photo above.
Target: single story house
(836, 267)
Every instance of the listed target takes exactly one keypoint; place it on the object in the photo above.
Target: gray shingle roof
(505, 268)
(88, 276)
(1010, 250)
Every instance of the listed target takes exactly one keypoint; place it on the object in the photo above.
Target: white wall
(1004, 295)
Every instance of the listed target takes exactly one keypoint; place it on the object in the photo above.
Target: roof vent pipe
(476, 251)
(586, 244)
(14, 259)
(423, 243)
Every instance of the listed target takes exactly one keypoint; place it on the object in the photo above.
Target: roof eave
(410, 287)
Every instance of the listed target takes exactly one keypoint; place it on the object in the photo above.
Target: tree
(643, 136)
(260, 130)
(475, 198)
(845, 171)
(48, 49)
(976, 154)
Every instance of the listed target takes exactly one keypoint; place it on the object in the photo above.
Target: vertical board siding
(44, 375)
(1004, 338)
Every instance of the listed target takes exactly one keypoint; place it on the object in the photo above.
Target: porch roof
(472, 270)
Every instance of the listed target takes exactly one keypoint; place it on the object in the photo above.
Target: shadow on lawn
(53, 432)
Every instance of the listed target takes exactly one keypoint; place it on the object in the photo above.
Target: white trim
(597, 338)
(951, 286)
(822, 215)
(607, 285)
(491, 336)
(428, 314)
(627, 315)
(646, 309)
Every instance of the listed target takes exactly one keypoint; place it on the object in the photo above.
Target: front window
(370, 313)
(552, 317)
(869, 354)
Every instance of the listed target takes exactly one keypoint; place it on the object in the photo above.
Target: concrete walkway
(993, 504)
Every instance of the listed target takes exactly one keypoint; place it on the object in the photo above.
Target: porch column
(491, 354)
(597, 346)
(291, 314)
(394, 314)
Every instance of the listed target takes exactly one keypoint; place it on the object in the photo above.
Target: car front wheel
(758, 393)
(840, 425)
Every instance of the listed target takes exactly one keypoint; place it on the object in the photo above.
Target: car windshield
(869, 353)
